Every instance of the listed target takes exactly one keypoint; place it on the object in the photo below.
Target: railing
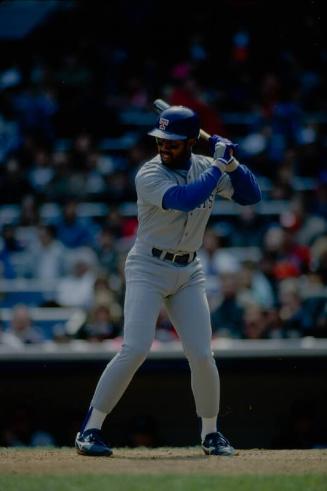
(223, 348)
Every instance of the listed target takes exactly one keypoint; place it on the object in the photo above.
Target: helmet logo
(163, 123)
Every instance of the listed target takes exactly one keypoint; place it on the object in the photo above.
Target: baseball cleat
(217, 444)
(90, 443)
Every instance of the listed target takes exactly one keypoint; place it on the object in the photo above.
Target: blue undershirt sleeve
(189, 196)
(246, 187)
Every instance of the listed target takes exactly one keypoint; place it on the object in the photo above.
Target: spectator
(106, 251)
(255, 324)
(227, 317)
(48, 256)
(103, 294)
(215, 261)
(290, 258)
(76, 289)
(255, 285)
(305, 225)
(99, 326)
(291, 310)
(72, 230)
(21, 330)
(41, 173)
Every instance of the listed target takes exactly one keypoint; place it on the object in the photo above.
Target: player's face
(174, 151)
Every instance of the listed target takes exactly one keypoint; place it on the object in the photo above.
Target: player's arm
(189, 196)
(245, 188)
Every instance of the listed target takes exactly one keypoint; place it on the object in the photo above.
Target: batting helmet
(177, 123)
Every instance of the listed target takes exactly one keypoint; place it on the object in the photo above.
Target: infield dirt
(163, 460)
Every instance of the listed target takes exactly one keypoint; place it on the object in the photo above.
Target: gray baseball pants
(150, 282)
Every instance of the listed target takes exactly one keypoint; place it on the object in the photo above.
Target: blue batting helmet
(177, 123)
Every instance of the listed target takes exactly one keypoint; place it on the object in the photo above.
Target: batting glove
(222, 152)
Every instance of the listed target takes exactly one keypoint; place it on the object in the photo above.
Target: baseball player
(175, 196)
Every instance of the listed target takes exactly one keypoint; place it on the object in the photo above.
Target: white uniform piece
(152, 281)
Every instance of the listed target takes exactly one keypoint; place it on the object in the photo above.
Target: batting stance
(176, 192)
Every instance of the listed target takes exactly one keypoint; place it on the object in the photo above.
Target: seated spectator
(114, 222)
(107, 251)
(74, 231)
(227, 317)
(8, 340)
(290, 258)
(48, 255)
(76, 289)
(291, 310)
(314, 321)
(103, 294)
(21, 330)
(99, 326)
(29, 212)
(254, 284)
(41, 173)
(255, 322)
(10, 240)
(306, 226)
(214, 261)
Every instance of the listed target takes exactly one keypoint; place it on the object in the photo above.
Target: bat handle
(204, 135)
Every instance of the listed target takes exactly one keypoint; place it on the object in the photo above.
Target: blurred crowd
(73, 122)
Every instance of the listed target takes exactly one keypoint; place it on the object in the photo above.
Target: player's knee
(135, 354)
(202, 359)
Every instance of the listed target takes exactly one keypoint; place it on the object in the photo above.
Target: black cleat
(90, 443)
(217, 444)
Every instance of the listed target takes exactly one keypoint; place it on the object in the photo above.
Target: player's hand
(222, 151)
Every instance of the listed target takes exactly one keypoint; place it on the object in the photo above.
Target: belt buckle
(177, 255)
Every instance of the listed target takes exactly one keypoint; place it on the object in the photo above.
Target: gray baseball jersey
(173, 230)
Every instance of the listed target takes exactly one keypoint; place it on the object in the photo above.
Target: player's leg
(189, 312)
(141, 310)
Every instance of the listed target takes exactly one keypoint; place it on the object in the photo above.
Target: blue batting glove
(222, 148)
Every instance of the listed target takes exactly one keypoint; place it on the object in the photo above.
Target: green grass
(162, 483)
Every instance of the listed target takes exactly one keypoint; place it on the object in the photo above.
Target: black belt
(175, 258)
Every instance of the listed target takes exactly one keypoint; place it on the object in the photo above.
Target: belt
(174, 258)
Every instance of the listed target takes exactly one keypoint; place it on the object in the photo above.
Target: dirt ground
(162, 460)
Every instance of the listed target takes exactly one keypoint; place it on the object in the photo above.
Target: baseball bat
(160, 105)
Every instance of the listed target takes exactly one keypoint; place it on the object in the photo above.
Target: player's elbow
(255, 197)
(250, 199)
